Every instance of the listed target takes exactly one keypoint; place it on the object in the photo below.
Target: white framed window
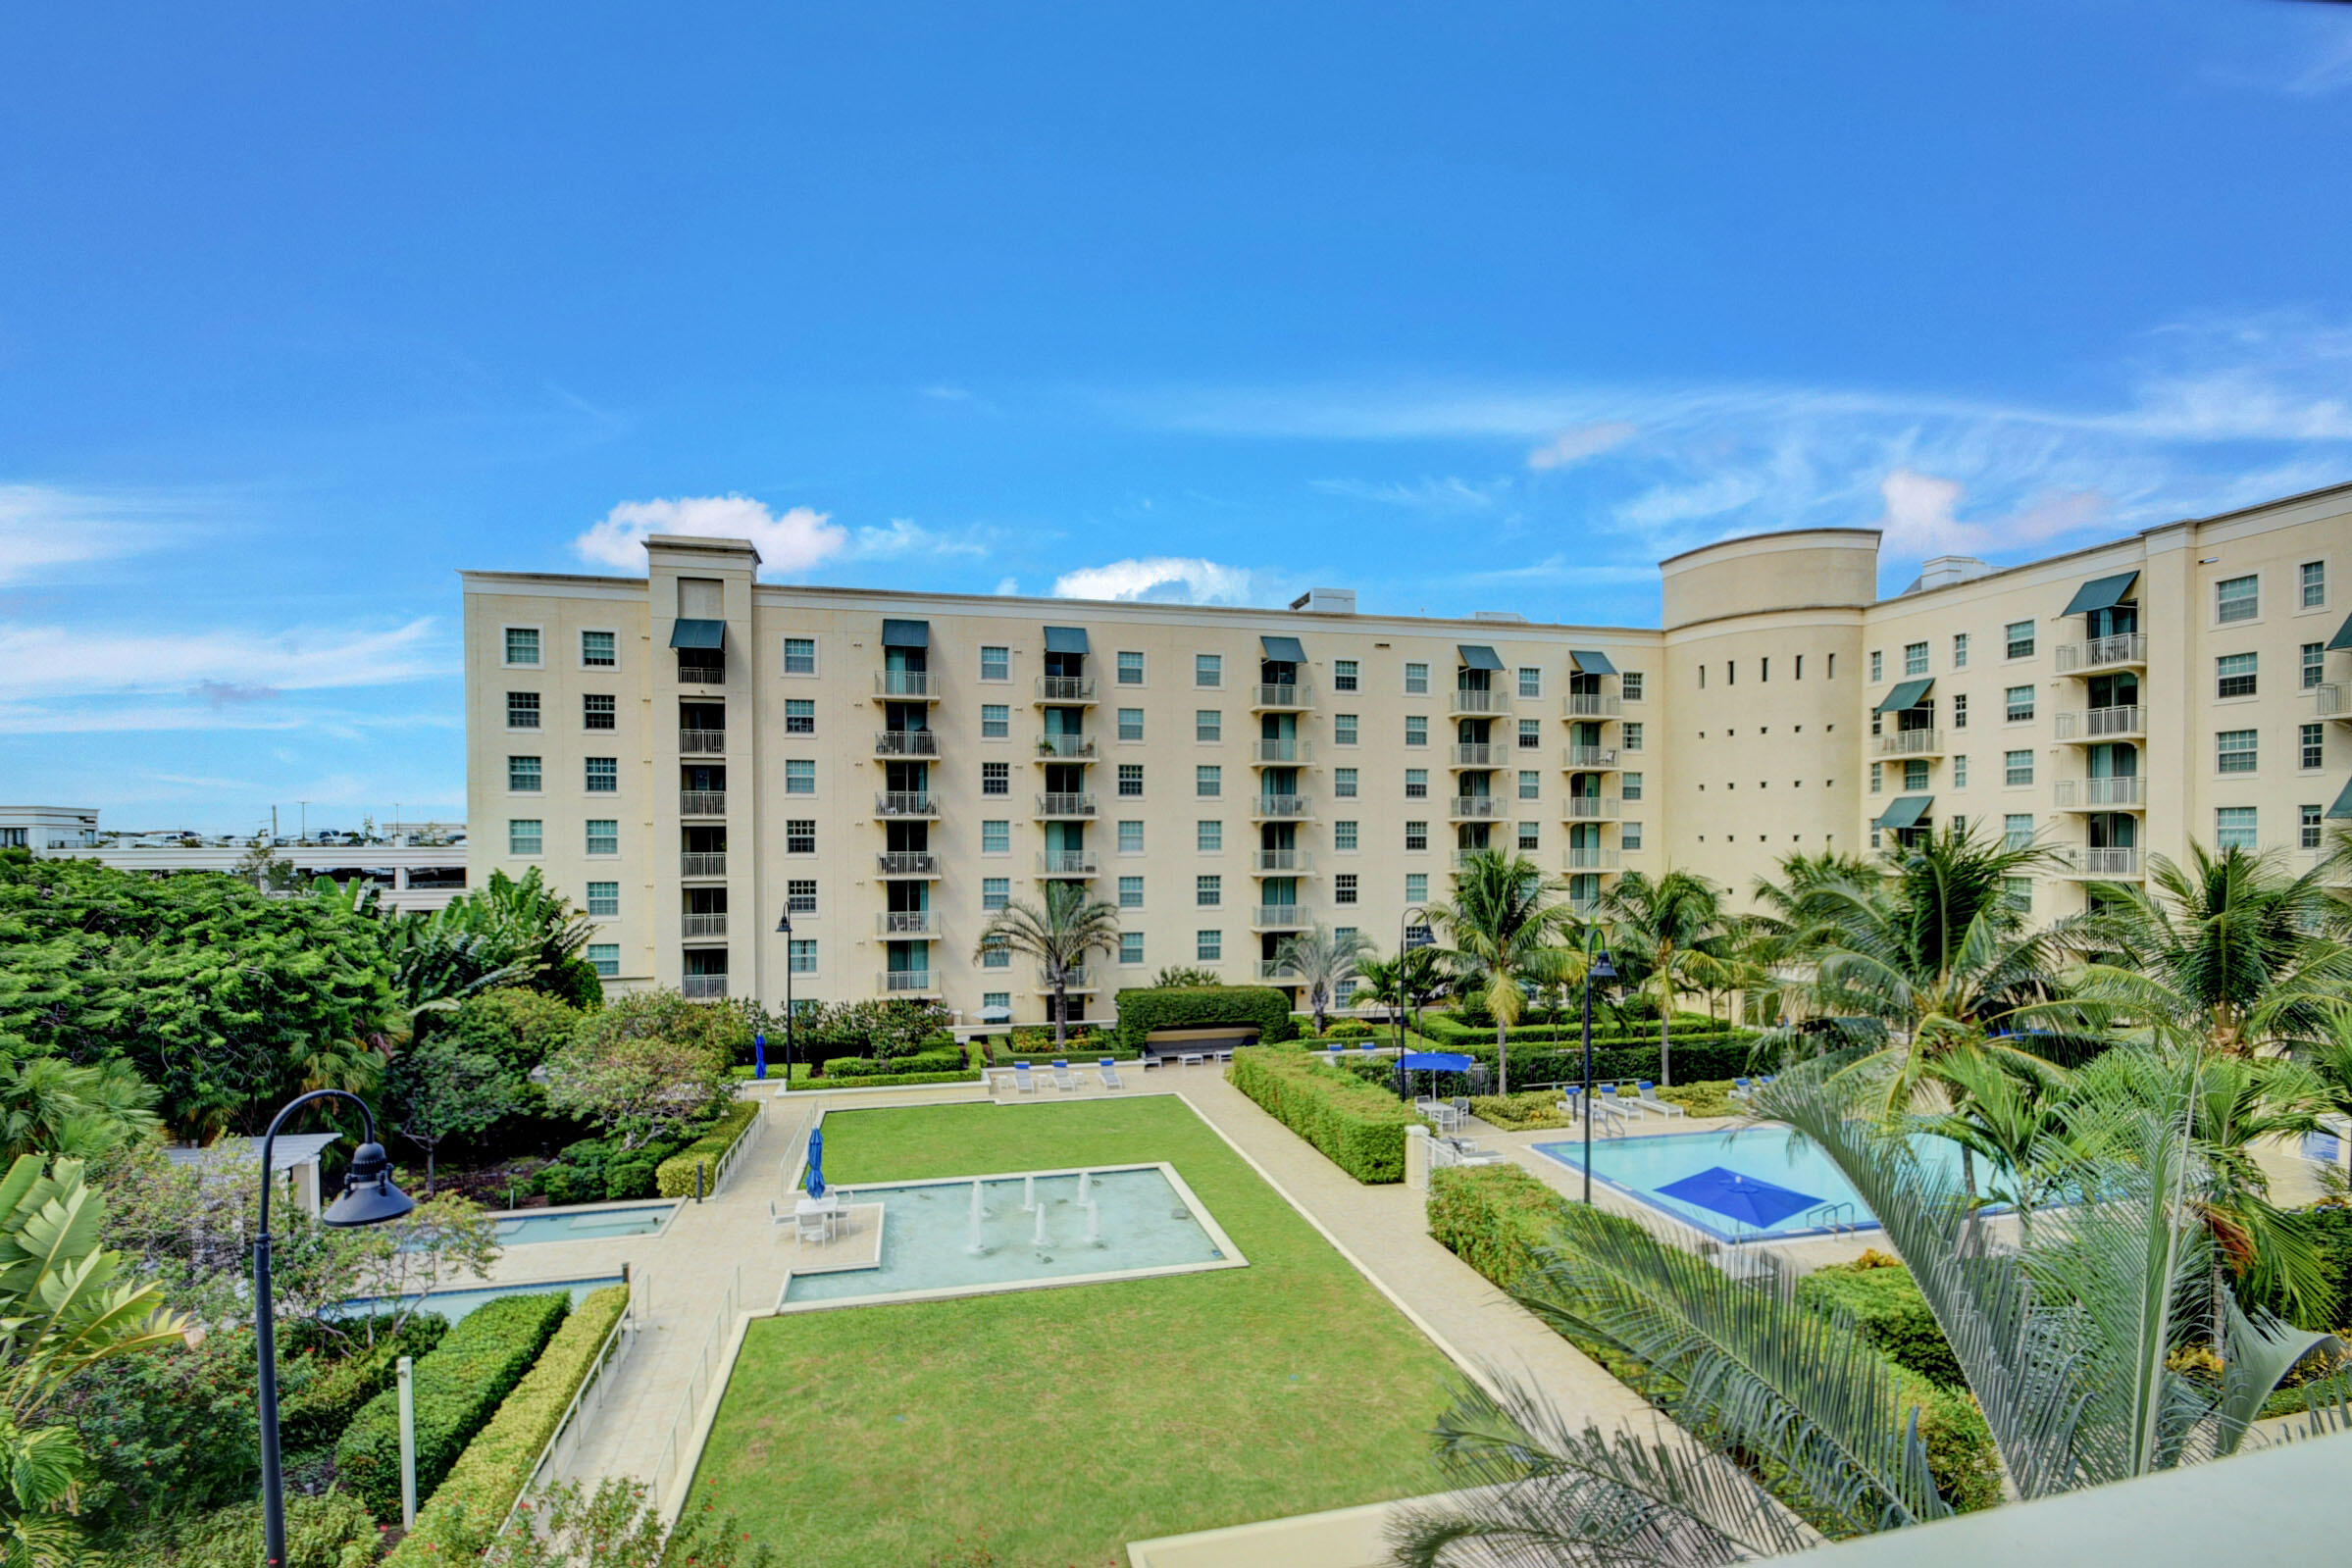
(1914, 774)
(996, 721)
(603, 836)
(1531, 835)
(1416, 783)
(994, 893)
(1960, 772)
(2017, 767)
(1629, 682)
(601, 775)
(2234, 828)
(1959, 650)
(605, 900)
(2312, 579)
(1131, 667)
(1343, 729)
(1877, 778)
(996, 664)
(1630, 836)
(1131, 947)
(996, 777)
(801, 954)
(801, 776)
(1208, 893)
(1531, 680)
(600, 650)
(801, 895)
(2310, 829)
(1416, 886)
(2311, 742)
(1914, 658)
(522, 645)
(2018, 640)
(800, 835)
(521, 710)
(2234, 751)
(1342, 674)
(1633, 736)
(522, 776)
(800, 655)
(1531, 784)
(1208, 724)
(1531, 735)
(1960, 710)
(1131, 892)
(1629, 787)
(995, 837)
(1130, 836)
(1416, 730)
(2017, 704)
(1342, 836)
(2235, 674)
(1208, 669)
(2237, 598)
(2017, 893)
(1208, 780)
(1131, 780)
(597, 711)
(1416, 836)
(604, 958)
(2016, 830)
(1208, 837)
(1208, 946)
(1342, 783)
(1343, 888)
(800, 715)
(2315, 664)
(1877, 666)
(1416, 680)
(1131, 724)
(996, 1000)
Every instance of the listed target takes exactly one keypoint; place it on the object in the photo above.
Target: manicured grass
(1056, 1426)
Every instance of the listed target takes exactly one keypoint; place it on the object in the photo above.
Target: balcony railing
(1589, 808)
(701, 674)
(1461, 858)
(2102, 794)
(1080, 978)
(2100, 723)
(702, 863)
(1592, 705)
(1066, 688)
(906, 803)
(907, 923)
(1064, 748)
(1281, 694)
(1468, 701)
(906, 863)
(1274, 969)
(906, 743)
(1476, 808)
(694, 925)
(2103, 653)
(906, 686)
(1579, 857)
(1065, 805)
(1281, 808)
(1590, 757)
(2334, 699)
(1281, 917)
(1927, 742)
(702, 803)
(1066, 863)
(1281, 752)
(2083, 861)
(903, 982)
(702, 987)
(1282, 862)
(1477, 756)
(702, 742)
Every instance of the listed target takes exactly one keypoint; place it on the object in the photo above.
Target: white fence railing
(586, 1400)
(699, 1387)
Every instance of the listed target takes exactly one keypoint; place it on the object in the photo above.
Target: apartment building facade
(697, 758)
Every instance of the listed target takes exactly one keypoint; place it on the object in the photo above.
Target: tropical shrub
(882, 1029)
(649, 1066)
(520, 1028)
(675, 1176)
(330, 1532)
(951, 1060)
(327, 1387)
(1877, 1292)
(172, 1429)
(1351, 1028)
(1537, 1108)
(1358, 1128)
(1147, 1008)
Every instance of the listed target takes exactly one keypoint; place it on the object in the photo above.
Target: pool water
(456, 1304)
(1147, 1224)
(585, 1224)
(1640, 1165)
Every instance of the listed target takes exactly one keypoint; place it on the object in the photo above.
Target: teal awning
(2343, 803)
(1588, 662)
(1906, 812)
(906, 634)
(1282, 650)
(2342, 638)
(697, 634)
(1065, 639)
(1910, 694)
(1475, 657)
(2101, 593)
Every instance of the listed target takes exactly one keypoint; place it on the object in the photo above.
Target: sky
(305, 309)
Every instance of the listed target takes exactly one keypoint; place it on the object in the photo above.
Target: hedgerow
(1358, 1128)
(675, 1176)
(1144, 1010)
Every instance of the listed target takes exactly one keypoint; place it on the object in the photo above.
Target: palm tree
(2013, 1113)
(1058, 936)
(1381, 981)
(1503, 917)
(1322, 961)
(1662, 926)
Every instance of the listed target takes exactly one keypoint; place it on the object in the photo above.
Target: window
(1131, 947)
(1629, 685)
(1208, 837)
(1959, 650)
(1531, 681)
(1877, 778)
(596, 711)
(800, 835)
(1131, 724)
(1915, 776)
(2311, 741)
(1131, 779)
(996, 721)
(2018, 704)
(996, 664)
(2017, 767)
(2313, 577)
(1629, 786)
(2016, 830)
(1416, 886)
(1531, 784)
(604, 958)
(522, 644)
(801, 896)
(1130, 668)
(1629, 835)
(596, 650)
(1208, 780)
(1131, 892)
(1131, 837)
(1208, 724)
(1343, 729)
(1633, 737)
(1416, 680)
(2237, 598)
(1342, 783)
(1960, 710)
(523, 776)
(521, 710)
(1831, 673)
(2234, 751)
(603, 776)
(2017, 893)
(800, 715)
(1914, 658)
(996, 777)
(1416, 730)
(1416, 783)
(1208, 946)
(1342, 674)
(1208, 669)
(1342, 836)
(1731, 672)
(1878, 665)
(992, 1000)
(1209, 891)
(2235, 674)
(1531, 735)
(603, 836)
(800, 655)
(2314, 662)
(1960, 772)
(2234, 828)
(2018, 635)
(604, 899)
(2308, 828)
(1416, 836)
(803, 955)
(995, 837)
(1531, 835)
(800, 775)
(1343, 888)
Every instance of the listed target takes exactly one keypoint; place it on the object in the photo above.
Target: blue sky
(304, 308)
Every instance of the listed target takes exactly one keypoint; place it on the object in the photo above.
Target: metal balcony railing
(694, 925)
(1590, 757)
(702, 863)
(1279, 807)
(1282, 862)
(906, 863)
(1476, 808)
(1066, 863)
(1929, 742)
(1276, 969)
(1281, 694)
(1589, 808)
(1066, 688)
(1065, 805)
(702, 987)
(906, 803)
(906, 743)
(903, 982)
(907, 923)
(2334, 699)
(1477, 756)
(1281, 917)
(906, 686)
(702, 803)
(1579, 857)
(2102, 794)
(1063, 748)
(702, 742)
(1592, 705)
(2084, 861)
(2100, 723)
(1461, 857)
(1281, 752)
(702, 674)
(2103, 653)
(1080, 978)
(1468, 701)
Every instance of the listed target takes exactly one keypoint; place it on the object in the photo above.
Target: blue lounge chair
(1110, 1071)
(1063, 1079)
(1651, 1103)
(1022, 1082)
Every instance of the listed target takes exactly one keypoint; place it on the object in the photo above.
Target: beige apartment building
(694, 756)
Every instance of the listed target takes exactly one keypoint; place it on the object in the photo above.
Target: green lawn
(1054, 1425)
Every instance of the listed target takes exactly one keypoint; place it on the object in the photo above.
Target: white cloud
(1167, 579)
(218, 667)
(43, 526)
(904, 537)
(792, 541)
(1573, 445)
(1449, 494)
(1920, 519)
(1006, 587)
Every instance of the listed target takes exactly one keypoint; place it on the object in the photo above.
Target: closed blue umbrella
(759, 1053)
(815, 1179)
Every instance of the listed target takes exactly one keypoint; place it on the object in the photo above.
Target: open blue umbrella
(1749, 1199)
(759, 1053)
(815, 1179)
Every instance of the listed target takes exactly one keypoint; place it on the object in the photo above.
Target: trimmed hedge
(473, 1500)
(1144, 1010)
(317, 1411)
(1358, 1128)
(1468, 1028)
(951, 1060)
(1886, 1307)
(1696, 1060)
(675, 1176)
(456, 1390)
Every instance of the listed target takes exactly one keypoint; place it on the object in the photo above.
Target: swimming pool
(455, 1305)
(584, 1224)
(1639, 1166)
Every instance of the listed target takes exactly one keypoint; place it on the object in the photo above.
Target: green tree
(1321, 961)
(1662, 925)
(651, 1064)
(1059, 937)
(48, 1105)
(1502, 920)
(2012, 1112)
(436, 1089)
(1180, 975)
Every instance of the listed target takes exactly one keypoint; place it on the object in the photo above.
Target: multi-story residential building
(694, 756)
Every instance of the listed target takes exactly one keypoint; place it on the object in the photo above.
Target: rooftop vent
(1326, 601)
(1498, 615)
(1942, 571)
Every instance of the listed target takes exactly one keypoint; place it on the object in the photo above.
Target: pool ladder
(1831, 1217)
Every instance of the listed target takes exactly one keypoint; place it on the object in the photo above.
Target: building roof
(291, 1149)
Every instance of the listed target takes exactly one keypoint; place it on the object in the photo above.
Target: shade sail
(1434, 1062)
(2101, 593)
(697, 634)
(1910, 694)
(1588, 662)
(2343, 803)
(1065, 639)
(1750, 1199)
(2342, 638)
(1476, 657)
(1282, 650)
(1906, 812)
(906, 634)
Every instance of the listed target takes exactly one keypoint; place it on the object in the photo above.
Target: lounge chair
(1571, 1101)
(1466, 1152)
(1110, 1071)
(1335, 1051)
(1022, 1082)
(1651, 1103)
(1062, 1077)
(1367, 1049)
(1741, 1088)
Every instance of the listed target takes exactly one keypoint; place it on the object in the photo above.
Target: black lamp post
(784, 928)
(369, 1198)
(1596, 966)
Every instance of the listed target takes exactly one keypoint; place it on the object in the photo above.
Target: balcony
(906, 743)
(1476, 808)
(2091, 725)
(1463, 700)
(1065, 806)
(702, 987)
(2124, 651)
(1275, 970)
(1079, 979)
(702, 742)
(1592, 705)
(1460, 859)
(1278, 808)
(1268, 697)
(2093, 865)
(1286, 753)
(702, 803)
(907, 923)
(906, 803)
(906, 863)
(2102, 794)
(1578, 857)
(1280, 917)
(1929, 742)
(1589, 808)
(696, 928)
(1066, 748)
(2334, 699)
(1477, 756)
(701, 674)
(905, 983)
(702, 863)
(1066, 688)
(906, 685)
(1066, 863)
(1282, 863)
(1589, 757)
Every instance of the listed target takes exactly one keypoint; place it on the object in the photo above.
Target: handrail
(618, 1342)
(729, 1157)
(713, 1349)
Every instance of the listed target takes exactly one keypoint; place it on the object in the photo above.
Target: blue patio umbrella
(815, 1179)
(1749, 1199)
(1427, 1062)
(759, 1053)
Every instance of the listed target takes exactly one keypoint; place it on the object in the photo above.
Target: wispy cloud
(903, 537)
(1572, 447)
(46, 526)
(1168, 579)
(1449, 494)
(219, 668)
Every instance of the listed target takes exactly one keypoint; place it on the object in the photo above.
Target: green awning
(1065, 639)
(2343, 803)
(1906, 812)
(2342, 638)
(1475, 657)
(1282, 650)
(1910, 694)
(1588, 662)
(697, 634)
(906, 634)
(2101, 593)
